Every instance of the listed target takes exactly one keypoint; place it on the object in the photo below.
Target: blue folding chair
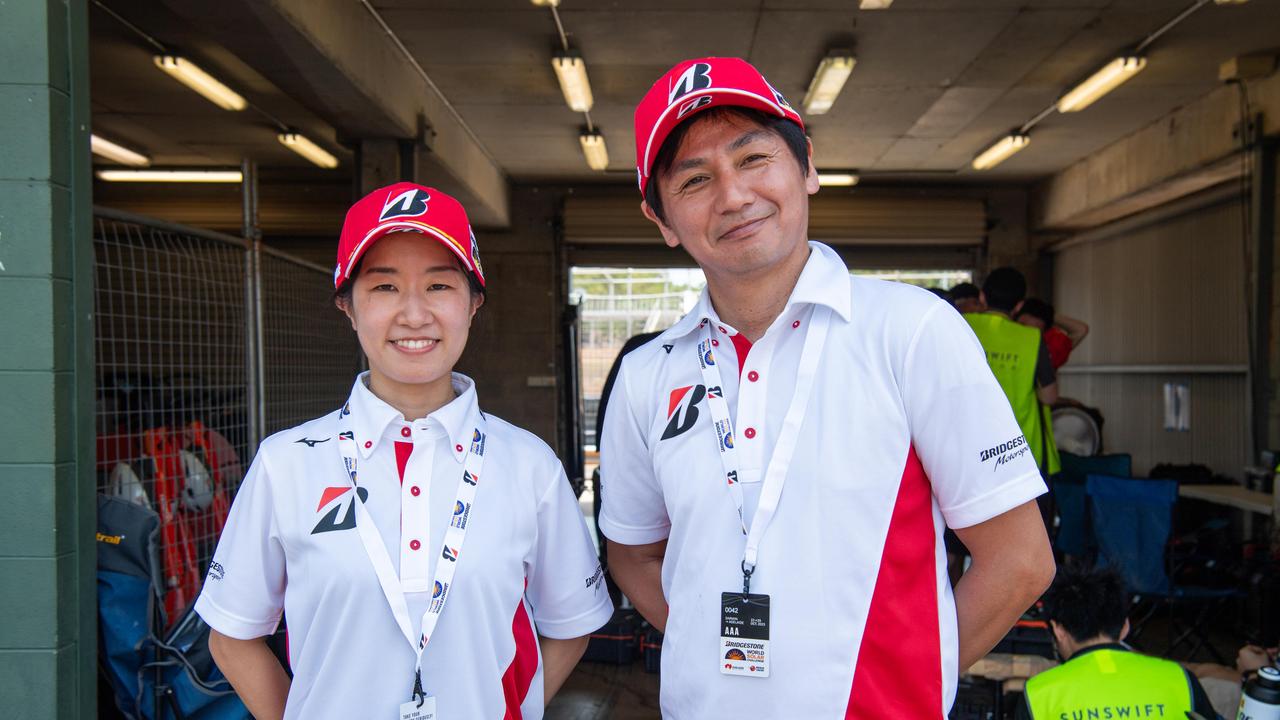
(1074, 537)
(1132, 524)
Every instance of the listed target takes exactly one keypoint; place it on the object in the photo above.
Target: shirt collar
(371, 416)
(823, 281)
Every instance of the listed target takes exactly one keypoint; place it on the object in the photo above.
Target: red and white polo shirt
(906, 432)
(527, 566)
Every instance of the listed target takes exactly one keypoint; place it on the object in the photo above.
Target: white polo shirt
(527, 566)
(906, 432)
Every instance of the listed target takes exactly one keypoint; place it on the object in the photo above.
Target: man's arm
(1048, 394)
(1075, 329)
(559, 658)
(637, 569)
(1012, 566)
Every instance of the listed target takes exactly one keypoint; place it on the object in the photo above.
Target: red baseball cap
(694, 86)
(406, 207)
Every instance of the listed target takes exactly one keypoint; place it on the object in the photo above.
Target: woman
(388, 611)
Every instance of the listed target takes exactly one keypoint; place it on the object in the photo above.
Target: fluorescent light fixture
(189, 176)
(307, 149)
(546, 3)
(827, 82)
(1113, 75)
(593, 148)
(189, 74)
(571, 71)
(1230, 2)
(832, 179)
(1001, 151)
(874, 4)
(118, 153)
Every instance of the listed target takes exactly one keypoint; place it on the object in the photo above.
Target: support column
(47, 517)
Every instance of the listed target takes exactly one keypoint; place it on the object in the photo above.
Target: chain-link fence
(204, 344)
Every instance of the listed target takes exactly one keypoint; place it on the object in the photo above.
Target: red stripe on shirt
(523, 667)
(743, 346)
(899, 669)
(403, 451)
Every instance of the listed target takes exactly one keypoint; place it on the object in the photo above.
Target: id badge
(744, 634)
(412, 711)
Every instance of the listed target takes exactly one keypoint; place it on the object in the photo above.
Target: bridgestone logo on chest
(1003, 448)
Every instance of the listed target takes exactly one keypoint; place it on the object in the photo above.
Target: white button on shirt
(890, 452)
(527, 566)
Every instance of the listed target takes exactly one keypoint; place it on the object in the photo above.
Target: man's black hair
(343, 292)
(1087, 602)
(790, 133)
(964, 290)
(1037, 308)
(1004, 287)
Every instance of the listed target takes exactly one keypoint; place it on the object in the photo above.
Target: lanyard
(446, 565)
(776, 473)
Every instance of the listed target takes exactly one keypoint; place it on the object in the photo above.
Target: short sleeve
(632, 509)
(566, 583)
(1046, 375)
(243, 594)
(962, 427)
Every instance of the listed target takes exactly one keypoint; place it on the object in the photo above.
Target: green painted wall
(47, 496)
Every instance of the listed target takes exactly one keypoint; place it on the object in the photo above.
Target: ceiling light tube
(594, 149)
(571, 71)
(118, 153)
(1113, 75)
(1001, 151)
(307, 149)
(189, 176)
(546, 3)
(827, 82)
(874, 4)
(835, 179)
(189, 74)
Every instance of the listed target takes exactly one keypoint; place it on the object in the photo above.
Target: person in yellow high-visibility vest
(1020, 361)
(1101, 678)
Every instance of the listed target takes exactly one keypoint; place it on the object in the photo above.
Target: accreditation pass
(424, 709)
(744, 634)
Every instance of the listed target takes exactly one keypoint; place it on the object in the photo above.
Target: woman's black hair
(791, 134)
(343, 293)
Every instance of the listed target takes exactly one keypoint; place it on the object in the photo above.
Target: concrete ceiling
(936, 80)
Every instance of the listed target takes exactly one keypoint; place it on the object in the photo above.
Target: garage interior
(203, 307)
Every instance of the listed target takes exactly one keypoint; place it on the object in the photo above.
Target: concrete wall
(1169, 293)
(47, 556)
(512, 351)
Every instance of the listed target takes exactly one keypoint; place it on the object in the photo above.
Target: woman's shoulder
(515, 444)
(306, 436)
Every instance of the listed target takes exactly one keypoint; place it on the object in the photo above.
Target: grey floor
(596, 691)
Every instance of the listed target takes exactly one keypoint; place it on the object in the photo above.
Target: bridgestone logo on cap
(697, 77)
(410, 203)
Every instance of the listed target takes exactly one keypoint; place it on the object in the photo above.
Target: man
(1021, 362)
(1100, 677)
(869, 400)
(967, 298)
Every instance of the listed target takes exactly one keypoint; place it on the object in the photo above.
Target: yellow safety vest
(1012, 349)
(1108, 684)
